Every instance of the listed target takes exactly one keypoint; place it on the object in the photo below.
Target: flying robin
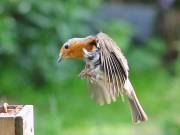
(106, 70)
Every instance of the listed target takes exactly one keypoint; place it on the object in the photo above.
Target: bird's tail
(138, 114)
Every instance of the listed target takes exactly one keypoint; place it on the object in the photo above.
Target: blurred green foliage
(31, 34)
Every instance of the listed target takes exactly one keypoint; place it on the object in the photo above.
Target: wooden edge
(10, 110)
(24, 121)
(25, 110)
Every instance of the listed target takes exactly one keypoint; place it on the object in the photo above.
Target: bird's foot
(86, 73)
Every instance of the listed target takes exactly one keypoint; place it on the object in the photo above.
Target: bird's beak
(59, 58)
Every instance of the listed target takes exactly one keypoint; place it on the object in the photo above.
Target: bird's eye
(66, 46)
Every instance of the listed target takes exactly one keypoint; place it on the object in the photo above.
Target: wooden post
(16, 120)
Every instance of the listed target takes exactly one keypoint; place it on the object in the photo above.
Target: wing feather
(107, 72)
(119, 76)
(115, 71)
(107, 45)
(118, 80)
(114, 81)
(114, 65)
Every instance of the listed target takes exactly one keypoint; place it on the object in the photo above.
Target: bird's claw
(86, 74)
(82, 74)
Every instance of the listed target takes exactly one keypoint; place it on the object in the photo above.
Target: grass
(65, 108)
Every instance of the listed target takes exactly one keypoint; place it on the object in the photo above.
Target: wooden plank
(7, 126)
(18, 120)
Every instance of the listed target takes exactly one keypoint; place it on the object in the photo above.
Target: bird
(106, 70)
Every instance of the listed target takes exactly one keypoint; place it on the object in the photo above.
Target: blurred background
(147, 31)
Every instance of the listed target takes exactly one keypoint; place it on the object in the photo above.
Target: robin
(106, 70)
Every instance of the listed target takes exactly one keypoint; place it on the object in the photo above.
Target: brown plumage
(108, 75)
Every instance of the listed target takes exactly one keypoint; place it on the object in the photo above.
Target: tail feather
(138, 114)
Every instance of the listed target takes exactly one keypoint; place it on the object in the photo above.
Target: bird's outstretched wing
(115, 68)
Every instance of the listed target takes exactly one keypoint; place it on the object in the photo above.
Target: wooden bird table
(16, 120)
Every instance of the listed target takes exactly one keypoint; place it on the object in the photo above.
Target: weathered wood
(18, 120)
(7, 126)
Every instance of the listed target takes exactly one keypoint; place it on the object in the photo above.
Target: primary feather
(114, 64)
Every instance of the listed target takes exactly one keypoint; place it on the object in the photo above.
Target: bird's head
(73, 48)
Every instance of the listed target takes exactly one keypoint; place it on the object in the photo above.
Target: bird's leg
(85, 73)
(82, 74)
(91, 74)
